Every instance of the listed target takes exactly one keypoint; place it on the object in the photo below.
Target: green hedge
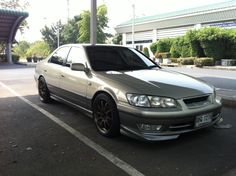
(153, 48)
(186, 61)
(212, 42)
(180, 47)
(3, 58)
(174, 60)
(199, 62)
(15, 58)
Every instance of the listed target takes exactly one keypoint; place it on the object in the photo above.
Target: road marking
(207, 75)
(228, 90)
(108, 155)
(200, 74)
(15, 79)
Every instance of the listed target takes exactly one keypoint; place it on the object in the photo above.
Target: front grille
(197, 101)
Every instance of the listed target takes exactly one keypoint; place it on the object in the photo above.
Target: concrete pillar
(124, 39)
(154, 35)
(93, 22)
(197, 26)
(9, 54)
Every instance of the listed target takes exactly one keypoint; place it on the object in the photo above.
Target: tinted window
(76, 55)
(59, 56)
(105, 58)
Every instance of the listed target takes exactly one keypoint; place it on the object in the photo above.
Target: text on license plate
(203, 119)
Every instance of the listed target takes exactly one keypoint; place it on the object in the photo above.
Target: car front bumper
(173, 123)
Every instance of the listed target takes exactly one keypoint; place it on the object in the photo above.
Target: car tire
(43, 91)
(106, 116)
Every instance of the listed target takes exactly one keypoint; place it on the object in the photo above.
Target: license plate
(202, 120)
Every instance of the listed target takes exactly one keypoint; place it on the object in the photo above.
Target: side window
(76, 55)
(59, 56)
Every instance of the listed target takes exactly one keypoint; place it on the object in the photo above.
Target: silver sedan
(124, 91)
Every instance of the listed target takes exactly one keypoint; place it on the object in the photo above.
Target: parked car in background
(124, 91)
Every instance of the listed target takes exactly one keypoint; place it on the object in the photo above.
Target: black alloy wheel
(106, 116)
(43, 91)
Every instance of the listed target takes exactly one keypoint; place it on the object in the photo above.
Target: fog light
(147, 127)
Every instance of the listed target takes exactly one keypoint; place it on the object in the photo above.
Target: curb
(26, 64)
(221, 68)
(228, 102)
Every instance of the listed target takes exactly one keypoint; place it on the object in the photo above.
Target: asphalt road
(53, 139)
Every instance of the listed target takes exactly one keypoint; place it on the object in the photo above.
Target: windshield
(107, 58)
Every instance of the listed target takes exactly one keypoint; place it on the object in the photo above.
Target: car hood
(160, 82)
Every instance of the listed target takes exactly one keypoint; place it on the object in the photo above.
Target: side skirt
(84, 110)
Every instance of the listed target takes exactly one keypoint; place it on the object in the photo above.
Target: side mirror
(78, 67)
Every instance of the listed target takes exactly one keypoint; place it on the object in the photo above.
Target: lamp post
(93, 22)
(58, 37)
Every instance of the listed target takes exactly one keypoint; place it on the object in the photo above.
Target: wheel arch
(108, 93)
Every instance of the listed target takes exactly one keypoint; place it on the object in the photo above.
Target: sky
(47, 12)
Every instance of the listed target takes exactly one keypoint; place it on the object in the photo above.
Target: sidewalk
(229, 68)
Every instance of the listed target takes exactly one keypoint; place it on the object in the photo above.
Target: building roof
(10, 21)
(193, 11)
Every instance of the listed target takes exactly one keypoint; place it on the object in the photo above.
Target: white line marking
(228, 90)
(15, 79)
(108, 155)
(207, 75)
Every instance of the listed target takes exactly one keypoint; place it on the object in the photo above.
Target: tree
(84, 31)
(50, 35)
(70, 31)
(38, 49)
(14, 4)
(84, 24)
(117, 39)
(21, 48)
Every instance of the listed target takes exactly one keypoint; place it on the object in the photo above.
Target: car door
(74, 83)
(52, 69)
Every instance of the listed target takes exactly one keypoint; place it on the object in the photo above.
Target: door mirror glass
(78, 67)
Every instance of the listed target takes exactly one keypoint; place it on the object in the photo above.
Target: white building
(151, 28)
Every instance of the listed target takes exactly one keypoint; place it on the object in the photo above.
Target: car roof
(86, 45)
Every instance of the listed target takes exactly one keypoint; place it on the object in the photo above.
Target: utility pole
(93, 22)
(133, 24)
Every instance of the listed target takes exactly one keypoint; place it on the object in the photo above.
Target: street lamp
(58, 37)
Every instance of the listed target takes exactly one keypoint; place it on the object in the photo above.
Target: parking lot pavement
(33, 144)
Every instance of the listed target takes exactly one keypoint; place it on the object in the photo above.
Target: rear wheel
(106, 116)
(43, 91)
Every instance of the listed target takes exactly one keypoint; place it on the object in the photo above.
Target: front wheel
(43, 91)
(106, 116)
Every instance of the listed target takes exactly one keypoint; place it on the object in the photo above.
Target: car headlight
(138, 100)
(151, 101)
